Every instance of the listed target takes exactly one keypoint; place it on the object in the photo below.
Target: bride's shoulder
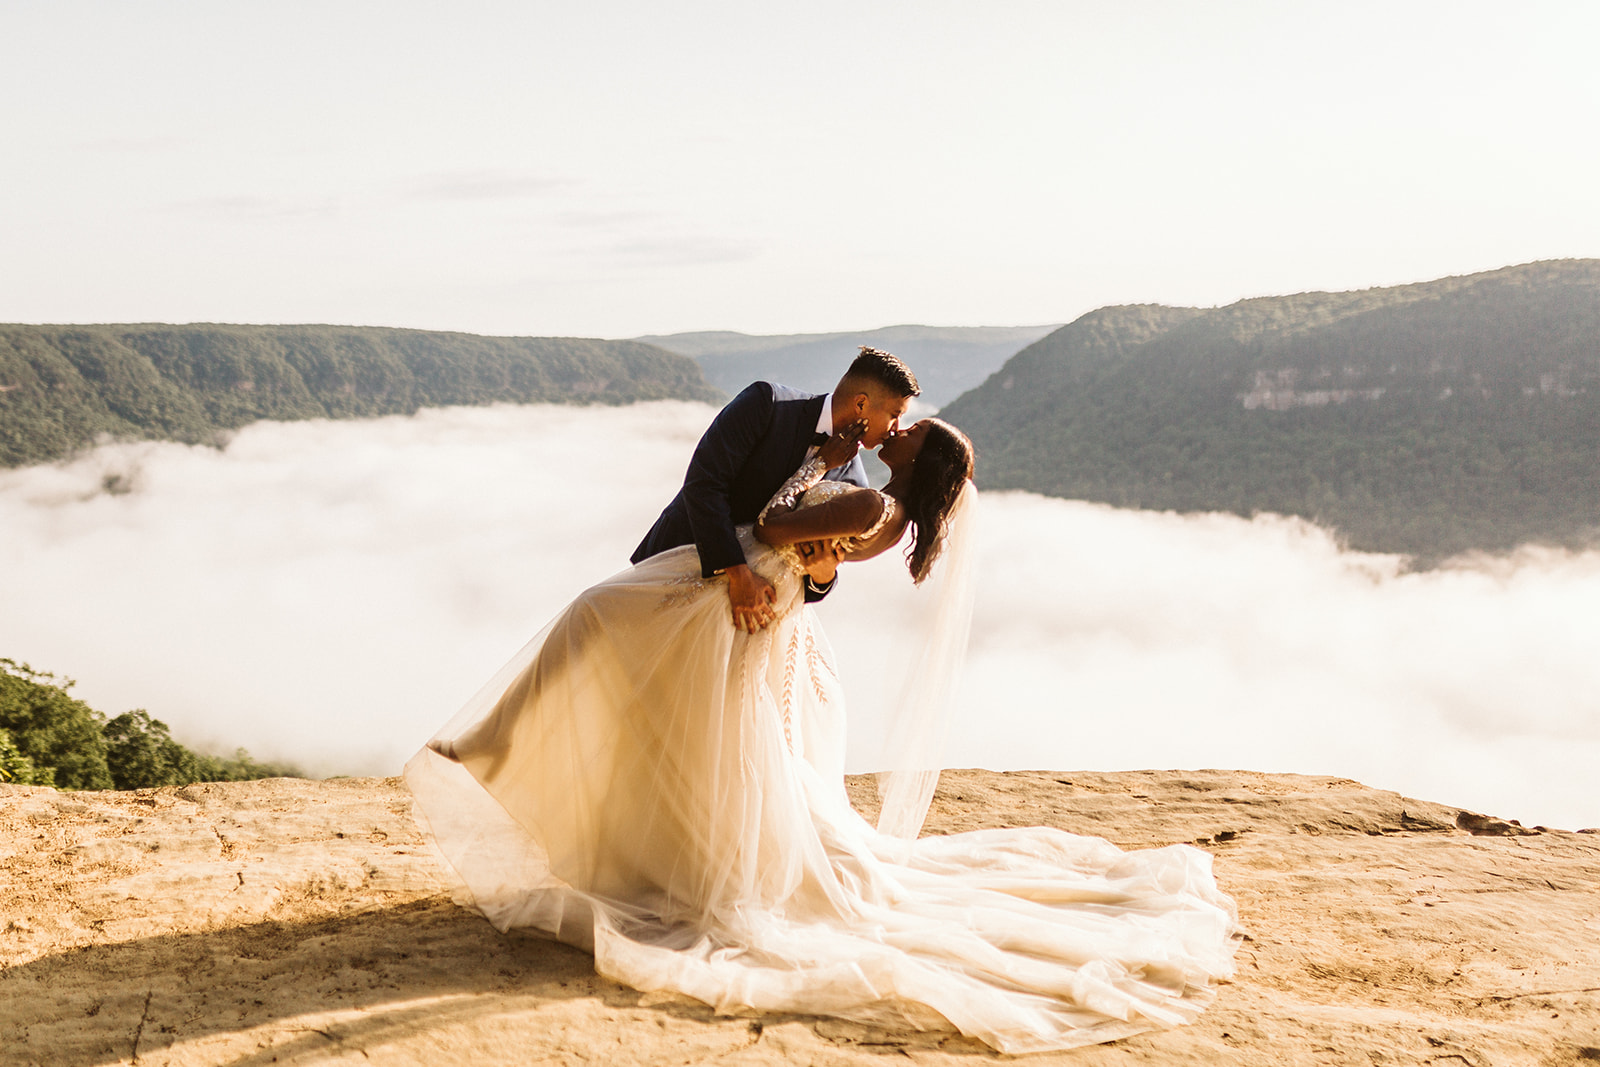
(847, 499)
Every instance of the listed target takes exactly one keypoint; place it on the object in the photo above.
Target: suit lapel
(806, 423)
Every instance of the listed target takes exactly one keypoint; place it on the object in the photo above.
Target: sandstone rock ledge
(308, 922)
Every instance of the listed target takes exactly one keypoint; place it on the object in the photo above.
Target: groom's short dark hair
(873, 365)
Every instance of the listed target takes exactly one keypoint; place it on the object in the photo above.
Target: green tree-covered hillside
(62, 386)
(1430, 419)
(49, 737)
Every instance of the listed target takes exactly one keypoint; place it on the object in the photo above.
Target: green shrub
(49, 738)
(18, 769)
(57, 733)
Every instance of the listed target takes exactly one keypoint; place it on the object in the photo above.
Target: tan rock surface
(308, 922)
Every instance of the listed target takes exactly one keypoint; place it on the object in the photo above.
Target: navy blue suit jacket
(746, 454)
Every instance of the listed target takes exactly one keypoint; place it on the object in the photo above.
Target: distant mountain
(947, 360)
(1429, 419)
(62, 386)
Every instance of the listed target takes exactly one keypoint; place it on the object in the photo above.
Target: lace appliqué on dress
(790, 661)
(802, 646)
(681, 591)
(790, 492)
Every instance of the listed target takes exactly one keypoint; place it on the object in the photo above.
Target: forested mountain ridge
(1428, 419)
(62, 386)
(948, 360)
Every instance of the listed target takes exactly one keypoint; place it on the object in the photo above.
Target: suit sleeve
(719, 457)
(855, 472)
(816, 590)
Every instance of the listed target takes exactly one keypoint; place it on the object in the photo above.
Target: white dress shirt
(824, 422)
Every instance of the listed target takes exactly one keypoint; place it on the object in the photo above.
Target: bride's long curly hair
(941, 469)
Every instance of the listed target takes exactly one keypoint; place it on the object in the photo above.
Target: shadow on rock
(404, 969)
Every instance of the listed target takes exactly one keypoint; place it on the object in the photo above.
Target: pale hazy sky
(612, 169)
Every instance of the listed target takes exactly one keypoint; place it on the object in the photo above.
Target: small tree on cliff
(54, 731)
(17, 769)
(141, 753)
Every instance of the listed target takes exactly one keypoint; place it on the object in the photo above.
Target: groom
(752, 446)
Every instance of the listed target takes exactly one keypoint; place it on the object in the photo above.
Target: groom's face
(883, 410)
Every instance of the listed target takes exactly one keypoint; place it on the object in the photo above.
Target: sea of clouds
(330, 592)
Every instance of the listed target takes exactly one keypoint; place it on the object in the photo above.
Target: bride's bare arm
(844, 515)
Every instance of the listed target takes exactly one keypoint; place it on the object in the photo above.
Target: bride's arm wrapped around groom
(756, 442)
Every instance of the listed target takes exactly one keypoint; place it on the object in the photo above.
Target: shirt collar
(825, 418)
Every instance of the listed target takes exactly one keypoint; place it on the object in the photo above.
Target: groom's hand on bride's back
(751, 597)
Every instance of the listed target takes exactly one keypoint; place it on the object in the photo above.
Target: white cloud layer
(329, 592)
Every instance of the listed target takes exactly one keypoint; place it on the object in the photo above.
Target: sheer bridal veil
(918, 724)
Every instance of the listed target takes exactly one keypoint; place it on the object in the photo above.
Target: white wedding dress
(645, 781)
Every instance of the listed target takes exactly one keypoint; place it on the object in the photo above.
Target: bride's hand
(842, 447)
(820, 559)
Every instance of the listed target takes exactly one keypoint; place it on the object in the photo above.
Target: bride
(649, 783)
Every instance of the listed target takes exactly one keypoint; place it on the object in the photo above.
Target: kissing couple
(658, 776)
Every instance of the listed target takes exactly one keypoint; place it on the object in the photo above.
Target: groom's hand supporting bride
(751, 596)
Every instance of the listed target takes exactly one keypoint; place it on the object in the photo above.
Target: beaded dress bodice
(805, 488)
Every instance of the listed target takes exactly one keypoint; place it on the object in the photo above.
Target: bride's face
(901, 447)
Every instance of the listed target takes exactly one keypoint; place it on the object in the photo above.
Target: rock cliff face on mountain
(63, 386)
(294, 921)
(1429, 419)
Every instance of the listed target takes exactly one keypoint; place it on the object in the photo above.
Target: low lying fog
(330, 592)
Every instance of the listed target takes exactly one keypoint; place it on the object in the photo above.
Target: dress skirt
(649, 783)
